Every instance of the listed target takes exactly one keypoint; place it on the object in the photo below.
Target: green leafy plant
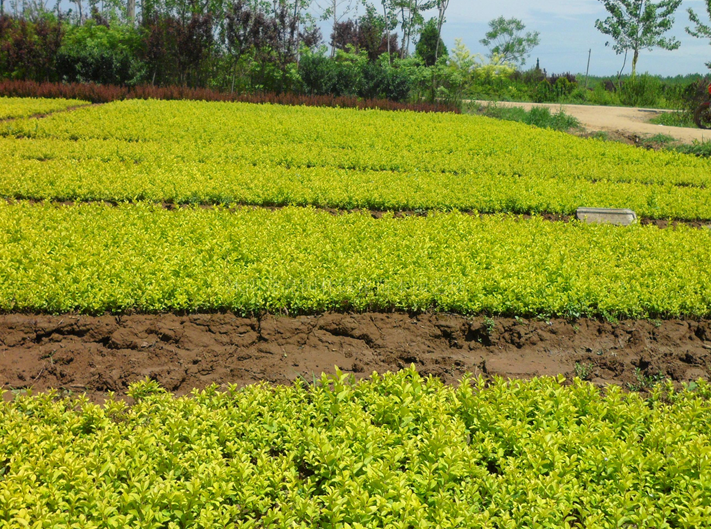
(539, 116)
(393, 450)
(148, 258)
(702, 149)
(489, 325)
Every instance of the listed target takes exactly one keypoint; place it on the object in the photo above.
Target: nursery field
(96, 258)
(394, 451)
(157, 258)
(233, 153)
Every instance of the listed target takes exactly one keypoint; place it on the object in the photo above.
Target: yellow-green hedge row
(392, 451)
(96, 258)
(188, 151)
(20, 107)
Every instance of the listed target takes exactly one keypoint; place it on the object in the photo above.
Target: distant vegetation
(389, 50)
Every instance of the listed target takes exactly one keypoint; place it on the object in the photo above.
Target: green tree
(427, 47)
(635, 25)
(507, 41)
(410, 14)
(700, 30)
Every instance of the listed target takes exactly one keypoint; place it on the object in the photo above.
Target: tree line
(377, 49)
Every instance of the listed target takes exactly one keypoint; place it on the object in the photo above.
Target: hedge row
(107, 93)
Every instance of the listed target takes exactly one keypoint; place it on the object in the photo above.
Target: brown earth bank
(96, 355)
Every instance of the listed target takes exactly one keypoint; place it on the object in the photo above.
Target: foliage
(146, 258)
(554, 89)
(464, 70)
(100, 53)
(536, 85)
(393, 451)
(640, 91)
(365, 35)
(427, 44)
(354, 75)
(28, 50)
(20, 107)
(635, 25)
(506, 40)
(584, 371)
(700, 29)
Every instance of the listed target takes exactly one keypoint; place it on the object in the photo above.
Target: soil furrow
(47, 114)
(375, 213)
(106, 353)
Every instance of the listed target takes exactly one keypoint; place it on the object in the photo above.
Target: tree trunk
(404, 32)
(335, 21)
(131, 12)
(434, 66)
(634, 62)
(387, 30)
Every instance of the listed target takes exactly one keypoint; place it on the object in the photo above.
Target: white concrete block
(619, 217)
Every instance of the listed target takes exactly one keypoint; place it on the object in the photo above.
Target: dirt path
(622, 120)
(107, 353)
(42, 115)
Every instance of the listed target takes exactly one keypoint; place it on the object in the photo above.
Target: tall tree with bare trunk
(700, 30)
(635, 25)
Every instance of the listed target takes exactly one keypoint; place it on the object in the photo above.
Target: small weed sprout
(584, 371)
(645, 382)
(490, 325)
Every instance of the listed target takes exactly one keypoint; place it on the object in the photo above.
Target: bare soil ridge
(100, 354)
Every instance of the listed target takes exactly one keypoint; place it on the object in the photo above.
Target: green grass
(702, 149)
(540, 117)
(393, 451)
(674, 119)
(660, 139)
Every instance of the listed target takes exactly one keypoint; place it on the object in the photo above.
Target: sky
(567, 29)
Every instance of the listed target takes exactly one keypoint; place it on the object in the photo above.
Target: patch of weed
(674, 119)
(645, 382)
(698, 148)
(584, 371)
(541, 117)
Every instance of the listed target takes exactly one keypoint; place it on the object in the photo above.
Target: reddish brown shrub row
(107, 93)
